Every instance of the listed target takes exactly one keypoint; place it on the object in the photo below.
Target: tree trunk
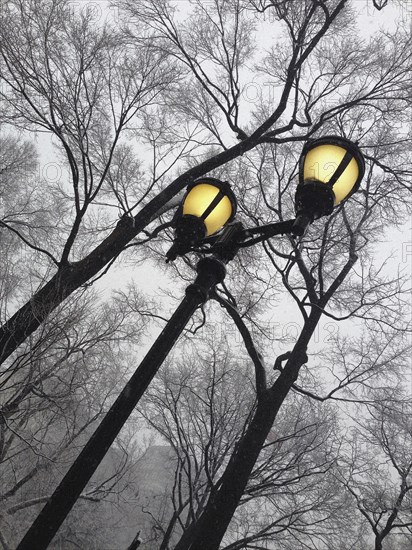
(210, 528)
(67, 279)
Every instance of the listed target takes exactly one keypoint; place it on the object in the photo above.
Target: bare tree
(106, 91)
(63, 378)
(377, 472)
(201, 412)
(51, 398)
(82, 84)
(177, 83)
(198, 415)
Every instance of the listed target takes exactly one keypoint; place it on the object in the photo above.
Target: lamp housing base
(313, 200)
(189, 230)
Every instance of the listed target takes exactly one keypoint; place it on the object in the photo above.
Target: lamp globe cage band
(330, 171)
(208, 205)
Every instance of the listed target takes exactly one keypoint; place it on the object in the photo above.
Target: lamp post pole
(210, 272)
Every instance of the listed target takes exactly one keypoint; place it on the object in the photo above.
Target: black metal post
(211, 271)
(136, 542)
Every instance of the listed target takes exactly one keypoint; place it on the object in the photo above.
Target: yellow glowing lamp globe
(321, 163)
(211, 201)
(209, 204)
(330, 170)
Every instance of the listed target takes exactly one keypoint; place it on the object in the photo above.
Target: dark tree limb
(248, 341)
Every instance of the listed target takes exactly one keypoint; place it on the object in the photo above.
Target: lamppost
(330, 170)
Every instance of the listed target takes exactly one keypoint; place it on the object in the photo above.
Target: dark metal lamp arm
(235, 236)
(265, 232)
